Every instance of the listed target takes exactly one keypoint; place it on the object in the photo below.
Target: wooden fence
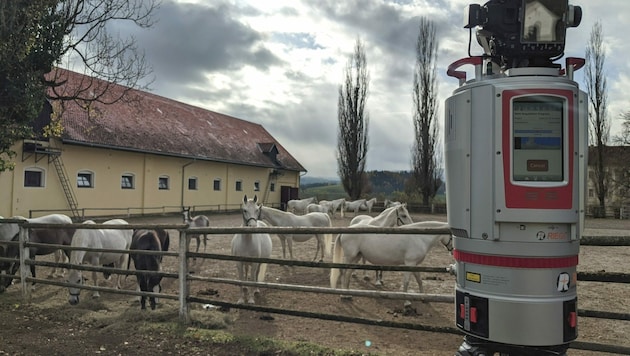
(184, 277)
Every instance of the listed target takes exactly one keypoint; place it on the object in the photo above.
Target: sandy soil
(114, 325)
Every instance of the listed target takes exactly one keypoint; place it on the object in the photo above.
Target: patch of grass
(266, 346)
(212, 334)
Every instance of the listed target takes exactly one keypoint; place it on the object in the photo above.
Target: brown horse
(148, 240)
(53, 236)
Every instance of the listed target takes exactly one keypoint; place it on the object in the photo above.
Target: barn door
(288, 193)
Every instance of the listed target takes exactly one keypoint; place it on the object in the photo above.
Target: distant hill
(306, 180)
(382, 183)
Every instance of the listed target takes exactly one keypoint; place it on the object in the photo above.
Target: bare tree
(622, 178)
(37, 36)
(623, 138)
(352, 138)
(427, 166)
(597, 90)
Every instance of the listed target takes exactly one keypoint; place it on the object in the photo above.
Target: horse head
(186, 214)
(251, 211)
(447, 242)
(8, 269)
(402, 215)
(75, 277)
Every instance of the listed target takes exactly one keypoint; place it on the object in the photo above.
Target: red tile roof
(154, 124)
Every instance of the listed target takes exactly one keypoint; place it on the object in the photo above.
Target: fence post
(184, 316)
(24, 268)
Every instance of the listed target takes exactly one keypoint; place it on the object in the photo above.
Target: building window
(163, 183)
(239, 185)
(192, 183)
(591, 193)
(256, 186)
(85, 180)
(126, 181)
(33, 178)
(272, 187)
(217, 185)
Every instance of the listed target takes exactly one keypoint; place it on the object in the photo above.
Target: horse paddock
(115, 325)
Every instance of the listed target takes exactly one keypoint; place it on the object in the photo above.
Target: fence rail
(185, 278)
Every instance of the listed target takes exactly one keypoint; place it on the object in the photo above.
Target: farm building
(618, 194)
(145, 154)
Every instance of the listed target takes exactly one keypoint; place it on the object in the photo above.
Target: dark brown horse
(53, 236)
(148, 240)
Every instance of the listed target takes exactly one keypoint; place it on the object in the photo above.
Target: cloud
(191, 40)
(279, 63)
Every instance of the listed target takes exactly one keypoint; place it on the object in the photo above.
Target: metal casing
(516, 242)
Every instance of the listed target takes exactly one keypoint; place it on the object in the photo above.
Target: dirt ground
(114, 325)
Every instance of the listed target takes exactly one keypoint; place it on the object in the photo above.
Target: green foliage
(325, 191)
(35, 35)
(30, 43)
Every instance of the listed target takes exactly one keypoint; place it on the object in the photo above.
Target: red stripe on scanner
(515, 262)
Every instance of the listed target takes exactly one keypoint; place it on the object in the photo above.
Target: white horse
(338, 204)
(387, 249)
(277, 217)
(390, 217)
(388, 203)
(110, 239)
(368, 205)
(196, 221)
(251, 245)
(51, 236)
(323, 207)
(299, 205)
(354, 206)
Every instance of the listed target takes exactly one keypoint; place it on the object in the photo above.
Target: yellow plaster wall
(106, 197)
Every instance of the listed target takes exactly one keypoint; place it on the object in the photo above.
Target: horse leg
(354, 271)
(379, 277)
(345, 281)
(319, 245)
(53, 273)
(241, 276)
(142, 282)
(95, 294)
(198, 239)
(290, 245)
(254, 277)
(157, 289)
(322, 244)
(33, 274)
(284, 248)
(406, 278)
(418, 278)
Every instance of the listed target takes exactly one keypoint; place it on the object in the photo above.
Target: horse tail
(262, 271)
(337, 258)
(328, 240)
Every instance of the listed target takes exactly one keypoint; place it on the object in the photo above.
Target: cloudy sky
(279, 63)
